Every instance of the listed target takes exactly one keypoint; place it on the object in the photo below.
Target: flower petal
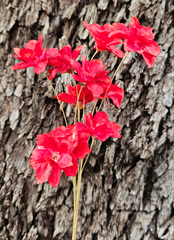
(149, 59)
(54, 177)
(40, 66)
(42, 173)
(76, 52)
(30, 45)
(22, 65)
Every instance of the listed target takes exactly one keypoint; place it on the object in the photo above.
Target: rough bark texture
(128, 184)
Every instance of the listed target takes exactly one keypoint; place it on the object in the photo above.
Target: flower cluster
(57, 151)
(60, 149)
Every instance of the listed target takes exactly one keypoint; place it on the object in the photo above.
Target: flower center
(56, 156)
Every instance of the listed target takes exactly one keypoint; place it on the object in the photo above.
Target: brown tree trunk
(128, 184)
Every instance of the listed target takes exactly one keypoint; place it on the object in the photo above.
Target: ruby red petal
(22, 65)
(82, 150)
(42, 173)
(52, 72)
(47, 141)
(40, 66)
(72, 171)
(30, 45)
(100, 118)
(65, 161)
(27, 54)
(117, 52)
(95, 88)
(65, 97)
(76, 52)
(153, 48)
(38, 50)
(54, 177)
(52, 53)
(16, 50)
(149, 59)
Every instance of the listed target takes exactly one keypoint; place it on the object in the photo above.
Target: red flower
(138, 39)
(104, 39)
(99, 127)
(62, 60)
(71, 96)
(115, 93)
(57, 151)
(92, 74)
(32, 56)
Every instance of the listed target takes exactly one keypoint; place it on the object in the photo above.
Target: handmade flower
(93, 74)
(138, 39)
(99, 127)
(103, 38)
(72, 95)
(57, 151)
(62, 61)
(32, 56)
(115, 93)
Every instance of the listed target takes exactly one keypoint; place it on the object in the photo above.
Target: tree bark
(128, 184)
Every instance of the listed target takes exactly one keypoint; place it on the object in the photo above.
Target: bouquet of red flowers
(66, 148)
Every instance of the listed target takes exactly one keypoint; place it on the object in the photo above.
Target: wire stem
(57, 99)
(95, 53)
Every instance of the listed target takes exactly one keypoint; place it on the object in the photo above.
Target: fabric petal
(149, 59)
(72, 171)
(65, 97)
(76, 52)
(52, 53)
(40, 66)
(153, 48)
(100, 118)
(21, 65)
(95, 88)
(30, 45)
(38, 50)
(117, 52)
(42, 173)
(65, 161)
(82, 150)
(54, 177)
(47, 141)
(53, 72)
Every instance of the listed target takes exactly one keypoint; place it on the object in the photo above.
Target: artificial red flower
(57, 151)
(104, 39)
(93, 74)
(72, 94)
(62, 61)
(115, 93)
(32, 56)
(138, 39)
(99, 127)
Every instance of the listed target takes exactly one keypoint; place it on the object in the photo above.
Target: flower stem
(94, 106)
(77, 105)
(113, 78)
(95, 53)
(76, 204)
(83, 108)
(93, 139)
(57, 99)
